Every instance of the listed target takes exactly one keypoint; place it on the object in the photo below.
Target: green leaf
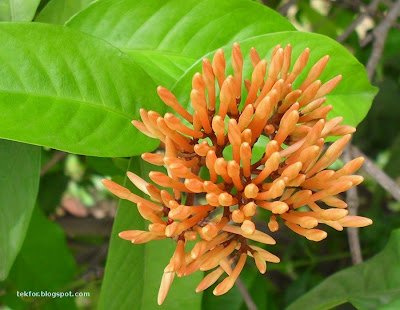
(351, 99)
(369, 285)
(19, 184)
(67, 90)
(59, 11)
(133, 272)
(167, 37)
(44, 264)
(18, 10)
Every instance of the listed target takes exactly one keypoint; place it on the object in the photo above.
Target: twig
(55, 159)
(284, 9)
(378, 174)
(353, 203)
(380, 35)
(246, 296)
(371, 8)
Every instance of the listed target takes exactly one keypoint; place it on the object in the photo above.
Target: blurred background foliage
(72, 219)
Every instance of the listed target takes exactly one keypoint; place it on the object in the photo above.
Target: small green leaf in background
(59, 11)
(133, 271)
(351, 99)
(19, 183)
(67, 90)
(44, 264)
(18, 10)
(369, 285)
(167, 37)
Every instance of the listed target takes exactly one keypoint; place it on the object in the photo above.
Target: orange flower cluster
(288, 180)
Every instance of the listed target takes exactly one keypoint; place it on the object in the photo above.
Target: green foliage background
(74, 73)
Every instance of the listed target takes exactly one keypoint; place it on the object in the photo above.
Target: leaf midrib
(69, 99)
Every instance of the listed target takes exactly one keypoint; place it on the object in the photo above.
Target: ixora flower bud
(290, 175)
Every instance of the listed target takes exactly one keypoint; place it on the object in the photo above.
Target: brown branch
(380, 35)
(245, 293)
(378, 174)
(370, 10)
(353, 203)
(55, 159)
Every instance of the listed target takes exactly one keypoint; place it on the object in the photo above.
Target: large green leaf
(18, 10)
(67, 90)
(44, 264)
(367, 286)
(167, 37)
(133, 272)
(19, 184)
(59, 11)
(351, 99)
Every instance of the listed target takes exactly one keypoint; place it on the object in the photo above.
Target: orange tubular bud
(237, 64)
(256, 236)
(226, 96)
(310, 234)
(209, 79)
(166, 283)
(304, 221)
(234, 138)
(195, 185)
(249, 209)
(153, 128)
(218, 126)
(233, 170)
(175, 124)
(245, 117)
(218, 66)
(213, 261)
(299, 65)
(254, 57)
(245, 156)
(165, 181)
(211, 158)
(202, 148)
(257, 79)
(228, 282)
(355, 221)
(221, 169)
(287, 125)
(287, 58)
(274, 69)
(313, 105)
(251, 191)
(175, 136)
(211, 187)
(143, 129)
(209, 279)
(328, 86)
(273, 224)
(315, 72)
(261, 116)
(248, 227)
(309, 93)
(153, 158)
(260, 262)
(200, 106)
(276, 207)
(171, 101)
(246, 136)
(271, 164)
(238, 216)
(198, 83)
